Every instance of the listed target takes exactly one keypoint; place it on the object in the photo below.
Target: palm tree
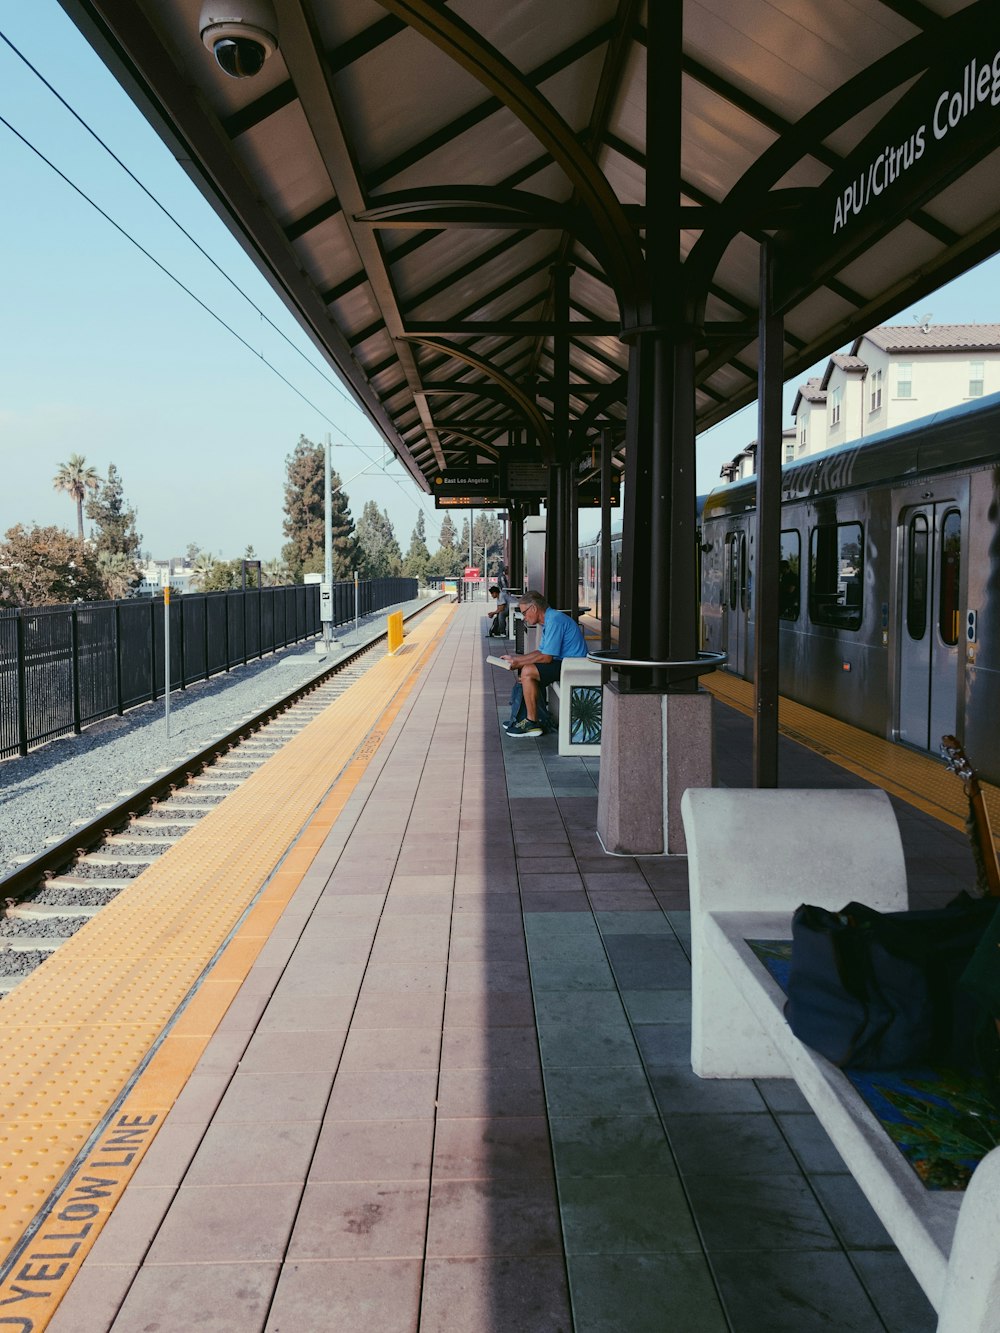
(77, 479)
(204, 568)
(275, 573)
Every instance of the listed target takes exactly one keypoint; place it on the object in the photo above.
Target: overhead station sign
(523, 476)
(588, 494)
(482, 488)
(947, 122)
(466, 488)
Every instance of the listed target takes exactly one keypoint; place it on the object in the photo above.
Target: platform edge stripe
(402, 681)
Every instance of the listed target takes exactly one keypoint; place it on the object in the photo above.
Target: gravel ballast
(44, 794)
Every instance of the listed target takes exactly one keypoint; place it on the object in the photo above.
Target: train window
(951, 569)
(737, 570)
(789, 576)
(836, 575)
(916, 578)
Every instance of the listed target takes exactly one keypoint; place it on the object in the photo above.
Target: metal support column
(659, 601)
(560, 550)
(767, 539)
(515, 573)
(605, 590)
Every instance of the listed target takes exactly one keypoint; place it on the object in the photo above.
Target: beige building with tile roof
(893, 374)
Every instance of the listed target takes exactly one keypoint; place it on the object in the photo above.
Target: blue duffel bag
(880, 990)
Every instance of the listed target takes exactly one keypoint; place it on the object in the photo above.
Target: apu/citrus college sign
(947, 122)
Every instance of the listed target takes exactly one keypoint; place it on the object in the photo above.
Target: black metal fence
(63, 667)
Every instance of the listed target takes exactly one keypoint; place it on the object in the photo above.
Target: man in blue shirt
(561, 637)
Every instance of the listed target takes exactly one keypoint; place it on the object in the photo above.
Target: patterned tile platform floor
(454, 1094)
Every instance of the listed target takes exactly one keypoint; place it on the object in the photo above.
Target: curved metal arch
(477, 206)
(749, 196)
(619, 249)
(513, 390)
(454, 431)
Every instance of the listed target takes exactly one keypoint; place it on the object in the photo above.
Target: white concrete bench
(753, 857)
(582, 675)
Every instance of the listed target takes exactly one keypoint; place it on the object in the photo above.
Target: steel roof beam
(195, 137)
(408, 247)
(525, 328)
(319, 104)
(620, 252)
(492, 372)
(338, 59)
(863, 90)
(477, 114)
(615, 59)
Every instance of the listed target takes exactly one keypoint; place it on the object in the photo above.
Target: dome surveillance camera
(241, 34)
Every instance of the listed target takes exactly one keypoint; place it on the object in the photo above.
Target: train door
(931, 541)
(735, 602)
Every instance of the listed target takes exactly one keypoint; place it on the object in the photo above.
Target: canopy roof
(408, 173)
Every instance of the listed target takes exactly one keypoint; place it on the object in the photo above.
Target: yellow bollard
(395, 626)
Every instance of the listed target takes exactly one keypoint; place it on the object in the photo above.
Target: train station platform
(433, 1074)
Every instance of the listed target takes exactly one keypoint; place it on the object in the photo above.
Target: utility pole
(326, 587)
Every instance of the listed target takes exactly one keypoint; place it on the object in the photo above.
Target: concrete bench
(580, 675)
(753, 856)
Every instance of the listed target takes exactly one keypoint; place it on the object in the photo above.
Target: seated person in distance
(497, 609)
(561, 637)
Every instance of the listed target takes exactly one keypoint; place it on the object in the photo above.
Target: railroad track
(51, 895)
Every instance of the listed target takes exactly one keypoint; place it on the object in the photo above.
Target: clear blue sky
(104, 355)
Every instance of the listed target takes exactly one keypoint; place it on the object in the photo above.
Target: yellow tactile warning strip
(75, 1119)
(917, 778)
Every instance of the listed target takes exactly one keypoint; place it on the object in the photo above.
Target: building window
(790, 453)
(836, 575)
(802, 438)
(835, 400)
(976, 379)
(875, 402)
(904, 379)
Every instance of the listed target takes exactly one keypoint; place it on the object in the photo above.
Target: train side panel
(980, 642)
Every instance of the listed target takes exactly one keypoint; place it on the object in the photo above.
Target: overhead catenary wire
(166, 271)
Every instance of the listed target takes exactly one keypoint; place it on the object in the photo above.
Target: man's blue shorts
(548, 672)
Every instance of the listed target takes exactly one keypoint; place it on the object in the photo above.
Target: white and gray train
(889, 585)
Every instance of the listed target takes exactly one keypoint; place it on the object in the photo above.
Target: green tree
(487, 543)
(417, 557)
(275, 573)
(303, 524)
(116, 537)
(378, 550)
(46, 567)
(252, 571)
(118, 573)
(203, 565)
(447, 561)
(76, 479)
(448, 535)
(223, 576)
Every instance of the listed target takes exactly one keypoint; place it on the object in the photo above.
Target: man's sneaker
(526, 728)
